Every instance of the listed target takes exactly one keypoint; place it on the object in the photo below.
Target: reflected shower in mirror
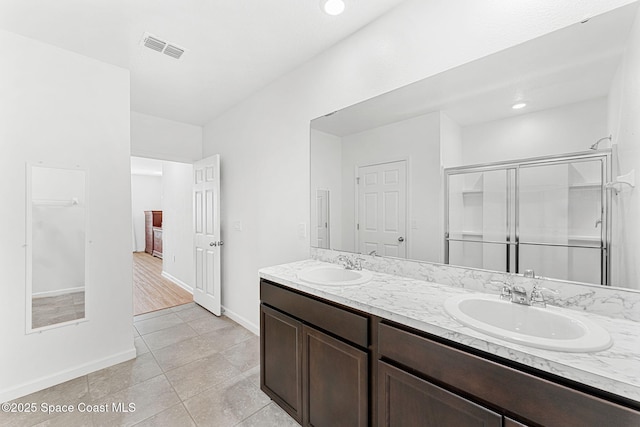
(384, 162)
(56, 233)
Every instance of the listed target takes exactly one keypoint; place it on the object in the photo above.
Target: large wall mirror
(56, 242)
(520, 160)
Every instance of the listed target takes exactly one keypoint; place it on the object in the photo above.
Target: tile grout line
(172, 388)
(182, 402)
(171, 384)
(253, 413)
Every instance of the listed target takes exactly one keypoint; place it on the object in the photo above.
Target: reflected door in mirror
(382, 209)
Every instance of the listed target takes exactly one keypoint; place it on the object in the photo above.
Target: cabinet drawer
(532, 398)
(350, 326)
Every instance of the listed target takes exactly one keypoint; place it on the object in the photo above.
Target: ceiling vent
(154, 43)
(173, 51)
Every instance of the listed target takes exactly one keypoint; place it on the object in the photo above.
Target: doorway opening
(162, 234)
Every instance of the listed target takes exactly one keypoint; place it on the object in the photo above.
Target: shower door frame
(603, 155)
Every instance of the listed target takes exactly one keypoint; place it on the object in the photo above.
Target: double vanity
(350, 347)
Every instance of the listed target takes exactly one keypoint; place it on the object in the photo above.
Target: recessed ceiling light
(332, 7)
(519, 105)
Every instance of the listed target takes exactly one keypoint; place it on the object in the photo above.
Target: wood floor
(151, 291)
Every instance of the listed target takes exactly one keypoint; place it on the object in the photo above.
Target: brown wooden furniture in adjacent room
(153, 233)
(157, 242)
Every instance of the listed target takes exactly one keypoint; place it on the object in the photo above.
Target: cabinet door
(508, 422)
(406, 400)
(281, 360)
(335, 382)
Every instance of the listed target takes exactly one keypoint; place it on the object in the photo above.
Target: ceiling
(570, 65)
(233, 47)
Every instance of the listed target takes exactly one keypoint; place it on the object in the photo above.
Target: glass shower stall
(547, 214)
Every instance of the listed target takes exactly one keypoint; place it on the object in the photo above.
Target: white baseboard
(57, 292)
(241, 320)
(177, 282)
(50, 380)
(230, 314)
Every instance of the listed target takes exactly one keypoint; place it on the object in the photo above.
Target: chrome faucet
(350, 264)
(346, 262)
(515, 294)
(373, 253)
(518, 294)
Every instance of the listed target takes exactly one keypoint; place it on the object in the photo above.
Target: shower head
(595, 146)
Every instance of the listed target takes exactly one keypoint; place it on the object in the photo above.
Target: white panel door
(206, 201)
(322, 215)
(382, 209)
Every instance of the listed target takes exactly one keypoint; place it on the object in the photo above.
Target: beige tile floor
(192, 369)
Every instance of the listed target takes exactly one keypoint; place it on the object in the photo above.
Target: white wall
(326, 174)
(567, 129)
(164, 139)
(177, 223)
(146, 195)
(450, 141)
(416, 140)
(64, 109)
(264, 140)
(625, 127)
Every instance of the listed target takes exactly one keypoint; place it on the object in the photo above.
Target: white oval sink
(334, 276)
(550, 328)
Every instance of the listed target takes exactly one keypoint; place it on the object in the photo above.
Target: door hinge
(357, 180)
(357, 226)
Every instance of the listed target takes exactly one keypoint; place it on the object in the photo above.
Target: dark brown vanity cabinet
(314, 359)
(330, 365)
(523, 399)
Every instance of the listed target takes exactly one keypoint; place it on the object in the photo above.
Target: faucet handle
(346, 261)
(537, 295)
(505, 289)
(357, 263)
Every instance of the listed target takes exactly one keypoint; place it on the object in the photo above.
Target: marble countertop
(419, 304)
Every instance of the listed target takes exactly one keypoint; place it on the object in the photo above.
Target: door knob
(220, 243)
(400, 239)
(212, 244)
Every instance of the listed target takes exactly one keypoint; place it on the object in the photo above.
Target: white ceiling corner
(233, 48)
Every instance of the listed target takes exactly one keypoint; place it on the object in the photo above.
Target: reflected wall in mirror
(382, 162)
(56, 241)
